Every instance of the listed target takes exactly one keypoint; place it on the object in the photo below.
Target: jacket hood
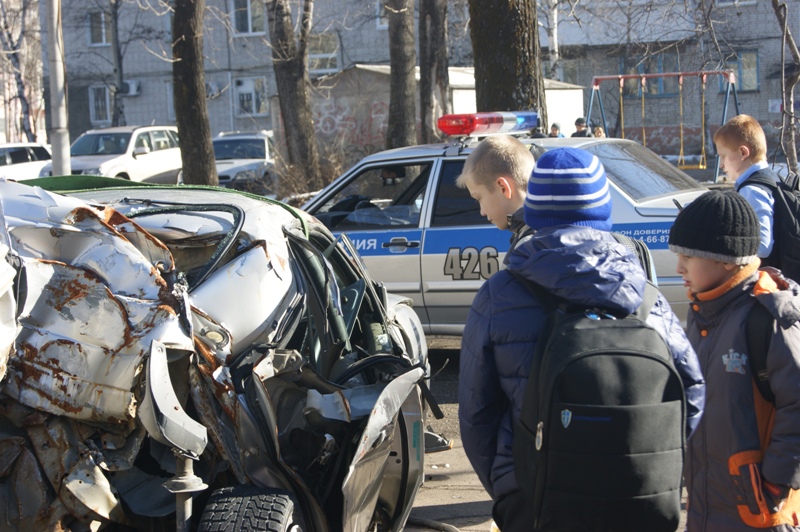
(583, 266)
(784, 303)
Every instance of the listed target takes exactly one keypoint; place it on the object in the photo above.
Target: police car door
(461, 250)
(379, 207)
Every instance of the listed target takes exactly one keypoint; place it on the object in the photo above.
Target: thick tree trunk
(290, 62)
(789, 131)
(189, 90)
(118, 118)
(433, 65)
(505, 44)
(402, 127)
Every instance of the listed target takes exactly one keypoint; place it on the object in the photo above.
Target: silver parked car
(425, 238)
(199, 358)
(245, 161)
(137, 153)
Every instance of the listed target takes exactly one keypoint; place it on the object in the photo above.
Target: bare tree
(18, 43)
(551, 8)
(290, 62)
(433, 64)
(191, 112)
(402, 126)
(789, 81)
(118, 116)
(508, 67)
(96, 64)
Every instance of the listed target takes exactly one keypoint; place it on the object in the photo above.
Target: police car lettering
(469, 264)
(363, 244)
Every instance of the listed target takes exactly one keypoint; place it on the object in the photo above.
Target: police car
(425, 238)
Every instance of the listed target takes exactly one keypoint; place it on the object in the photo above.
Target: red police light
(479, 124)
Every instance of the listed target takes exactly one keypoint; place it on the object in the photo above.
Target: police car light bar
(479, 124)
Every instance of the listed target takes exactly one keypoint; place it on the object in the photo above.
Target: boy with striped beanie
(574, 256)
(568, 187)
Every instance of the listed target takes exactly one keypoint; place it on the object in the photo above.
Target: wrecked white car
(199, 359)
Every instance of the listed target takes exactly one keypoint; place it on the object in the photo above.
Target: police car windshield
(640, 175)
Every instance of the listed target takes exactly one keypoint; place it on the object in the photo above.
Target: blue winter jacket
(579, 264)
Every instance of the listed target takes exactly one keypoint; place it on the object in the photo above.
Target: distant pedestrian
(555, 131)
(538, 133)
(598, 132)
(743, 462)
(581, 129)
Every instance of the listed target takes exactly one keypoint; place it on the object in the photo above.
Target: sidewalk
(452, 493)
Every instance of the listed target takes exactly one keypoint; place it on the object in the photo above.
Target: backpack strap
(759, 179)
(758, 332)
(549, 301)
(649, 299)
(640, 249)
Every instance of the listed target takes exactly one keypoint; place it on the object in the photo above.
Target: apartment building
(600, 38)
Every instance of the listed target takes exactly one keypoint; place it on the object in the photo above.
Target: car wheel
(249, 508)
(123, 176)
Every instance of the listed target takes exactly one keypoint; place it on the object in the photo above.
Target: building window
(170, 101)
(249, 17)
(381, 15)
(251, 97)
(322, 56)
(745, 66)
(99, 105)
(655, 86)
(99, 29)
(569, 71)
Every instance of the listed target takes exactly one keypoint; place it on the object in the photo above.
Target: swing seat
(701, 166)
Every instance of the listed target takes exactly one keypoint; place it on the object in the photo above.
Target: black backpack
(786, 224)
(759, 328)
(599, 445)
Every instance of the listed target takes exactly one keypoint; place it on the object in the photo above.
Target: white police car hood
(582, 265)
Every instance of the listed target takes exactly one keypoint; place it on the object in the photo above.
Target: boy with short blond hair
(742, 466)
(742, 149)
(496, 174)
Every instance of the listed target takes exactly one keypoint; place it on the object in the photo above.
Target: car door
(461, 250)
(380, 206)
(164, 162)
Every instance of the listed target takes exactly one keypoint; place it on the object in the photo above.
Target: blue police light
(479, 124)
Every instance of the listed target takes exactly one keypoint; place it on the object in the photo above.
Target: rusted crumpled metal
(93, 303)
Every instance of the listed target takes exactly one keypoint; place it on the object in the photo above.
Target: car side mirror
(140, 150)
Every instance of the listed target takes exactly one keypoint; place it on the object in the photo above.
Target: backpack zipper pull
(539, 429)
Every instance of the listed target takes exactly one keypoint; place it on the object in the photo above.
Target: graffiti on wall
(354, 129)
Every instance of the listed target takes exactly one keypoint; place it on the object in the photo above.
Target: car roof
(243, 134)
(21, 144)
(465, 146)
(128, 129)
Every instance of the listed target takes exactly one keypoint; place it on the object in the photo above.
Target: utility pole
(59, 134)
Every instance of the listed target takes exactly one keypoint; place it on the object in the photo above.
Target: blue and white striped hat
(568, 186)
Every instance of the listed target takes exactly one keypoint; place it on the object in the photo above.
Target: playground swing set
(728, 75)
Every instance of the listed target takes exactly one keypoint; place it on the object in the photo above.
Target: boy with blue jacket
(742, 466)
(574, 256)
